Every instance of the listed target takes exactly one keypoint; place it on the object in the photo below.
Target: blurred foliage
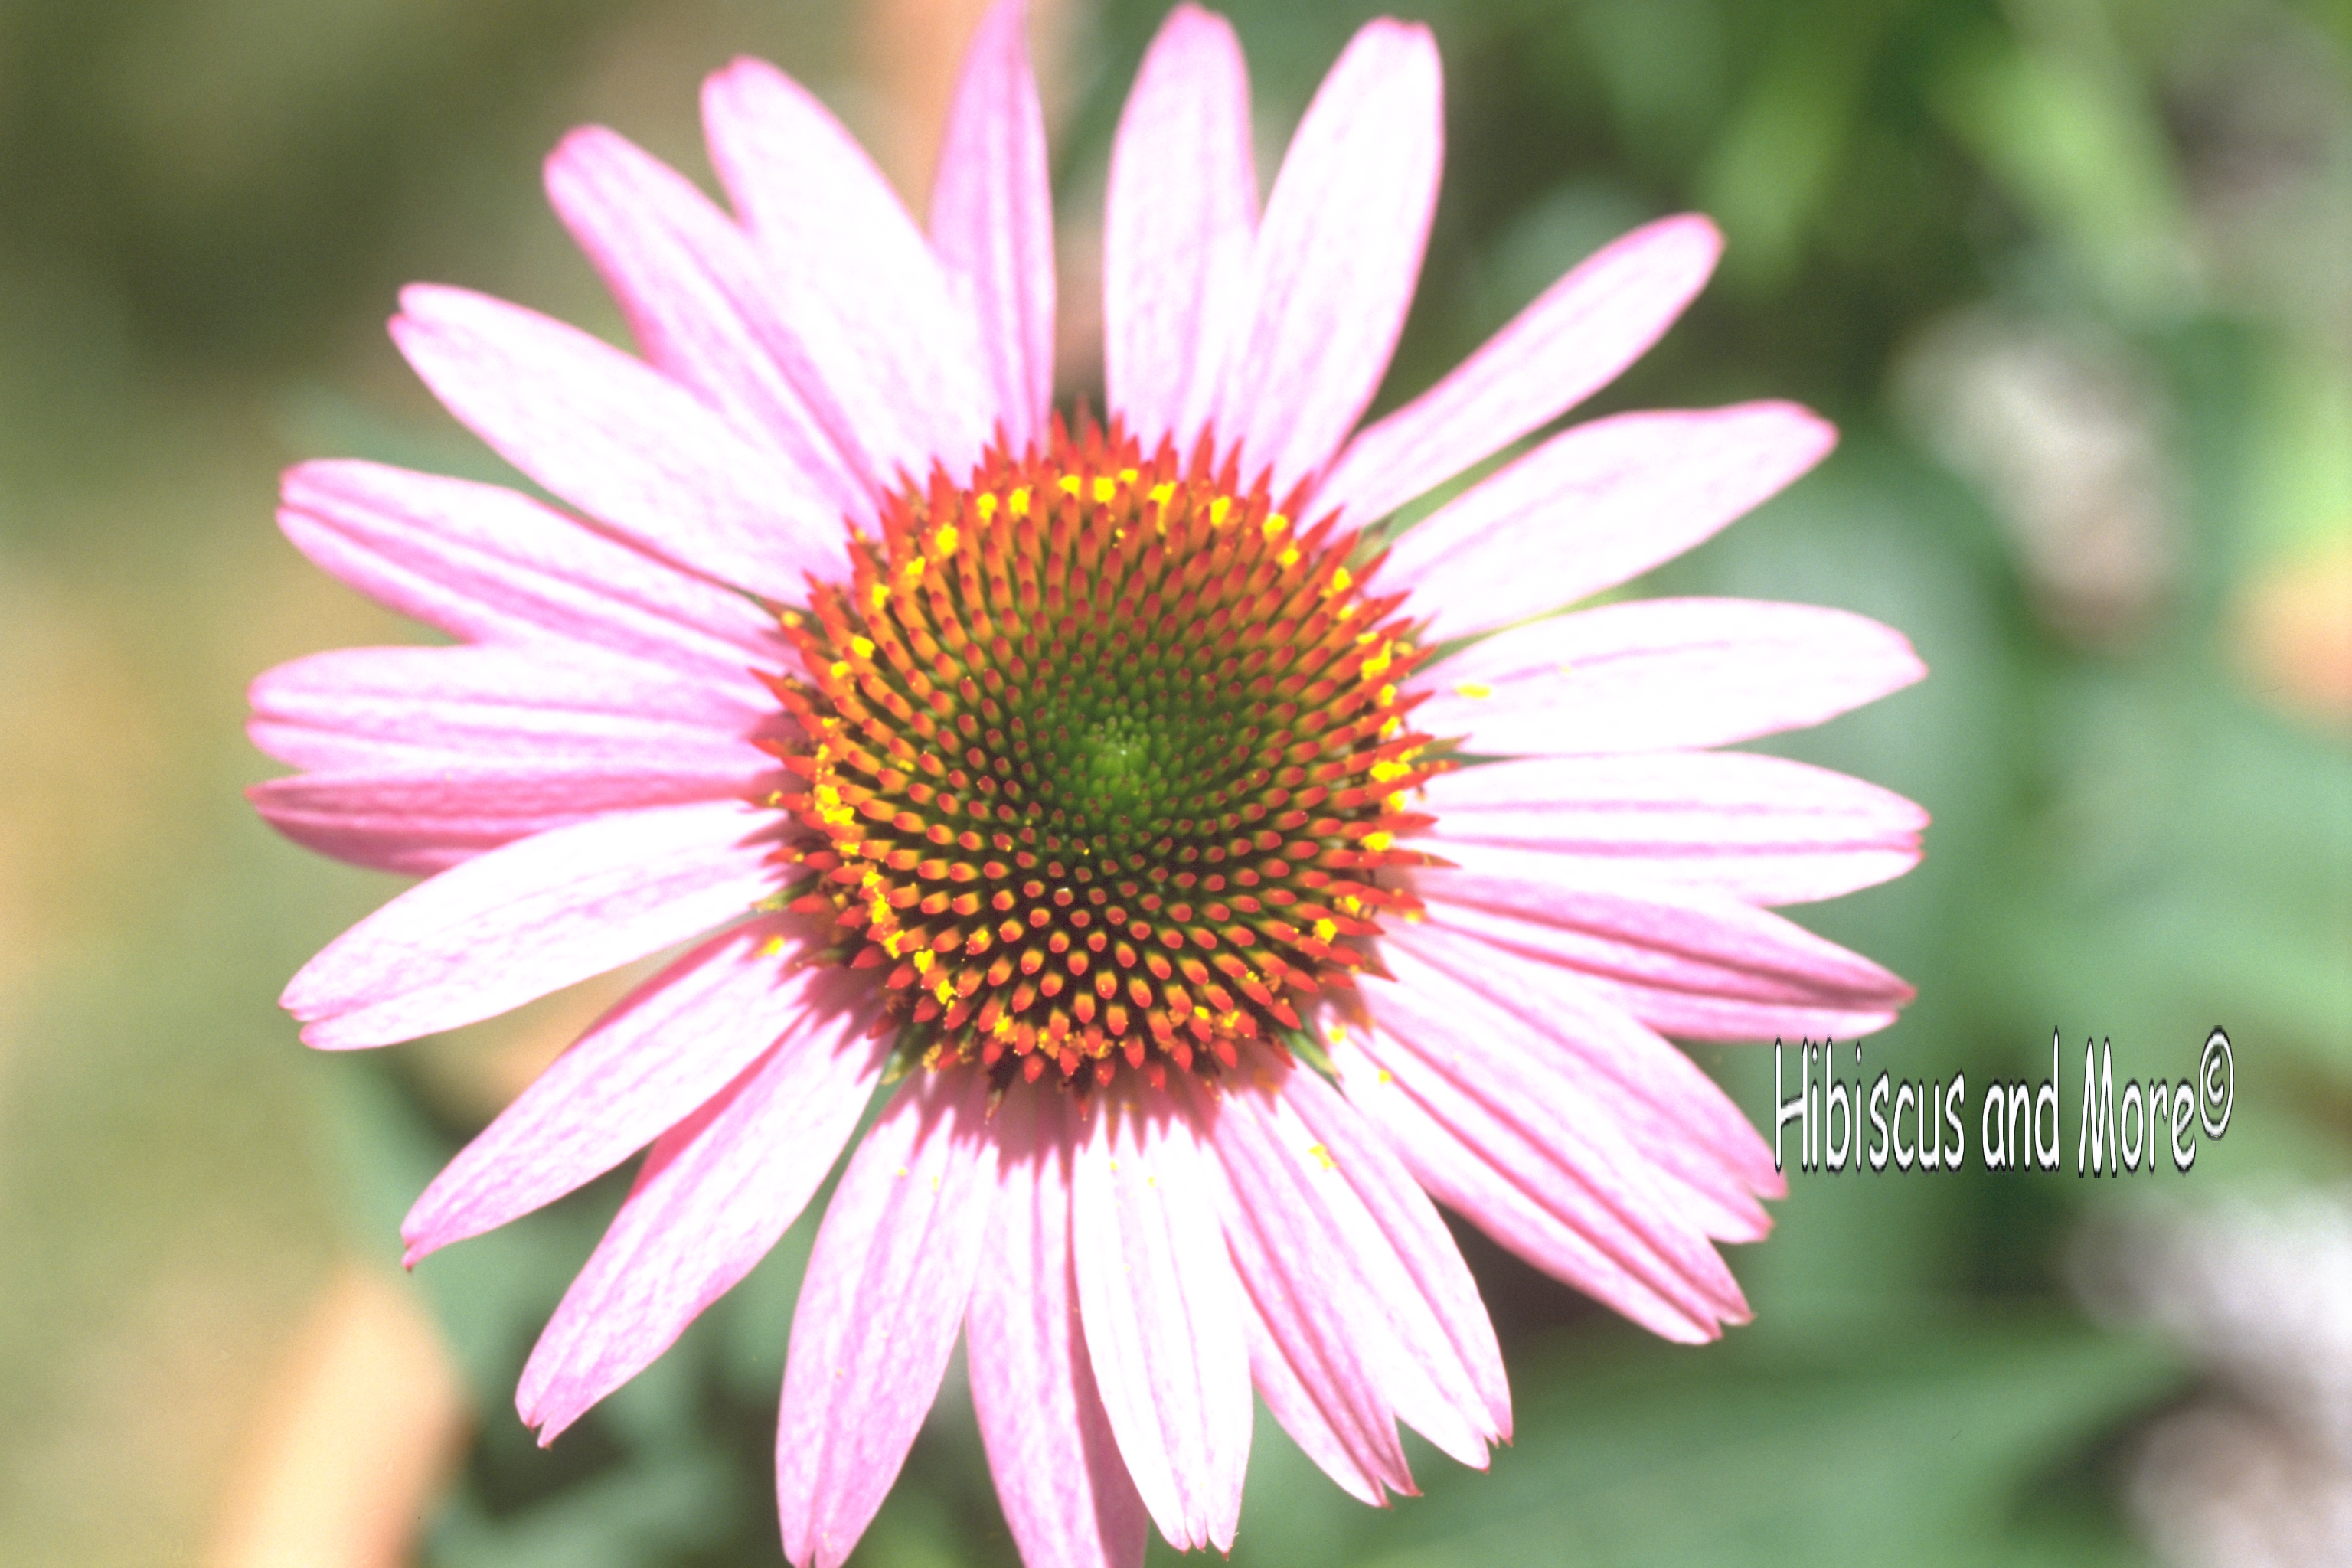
(205, 208)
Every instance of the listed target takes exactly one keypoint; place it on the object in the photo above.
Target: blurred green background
(2075, 277)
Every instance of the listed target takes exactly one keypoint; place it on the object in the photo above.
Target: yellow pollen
(1379, 663)
(945, 543)
(944, 990)
(1386, 1077)
(1071, 484)
(1340, 581)
(1217, 510)
(841, 665)
(1162, 492)
(1106, 488)
(1323, 1156)
(879, 593)
(1323, 929)
(1337, 1033)
(862, 647)
(1289, 556)
(1378, 839)
(1019, 505)
(1127, 476)
(1275, 523)
(985, 505)
(923, 961)
(1473, 689)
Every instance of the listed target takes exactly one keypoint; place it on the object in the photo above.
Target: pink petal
(894, 349)
(1762, 830)
(486, 564)
(714, 1196)
(1163, 1317)
(1574, 339)
(1660, 673)
(533, 917)
(1337, 254)
(621, 442)
(1700, 967)
(886, 1291)
(420, 819)
(1410, 1223)
(1178, 220)
(389, 707)
(1066, 1496)
(695, 297)
(646, 1065)
(992, 218)
(1335, 1291)
(1484, 1129)
(1595, 506)
(1316, 1380)
(1673, 1113)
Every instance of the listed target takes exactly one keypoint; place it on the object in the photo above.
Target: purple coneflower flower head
(1217, 882)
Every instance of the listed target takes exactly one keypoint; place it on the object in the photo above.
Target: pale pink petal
(646, 1066)
(1337, 1295)
(1762, 829)
(1314, 1376)
(893, 349)
(714, 1194)
(1337, 257)
(1283, 1391)
(1163, 1316)
(1658, 673)
(486, 564)
(621, 442)
(1574, 339)
(992, 218)
(1066, 1496)
(1178, 219)
(1410, 1223)
(886, 1291)
(1703, 1146)
(386, 706)
(1594, 506)
(695, 300)
(533, 917)
(1542, 1168)
(423, 819)
(1704, 968)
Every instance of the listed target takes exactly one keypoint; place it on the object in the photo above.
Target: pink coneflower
(1106, 788)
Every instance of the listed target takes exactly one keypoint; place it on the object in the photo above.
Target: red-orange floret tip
(1104, 762)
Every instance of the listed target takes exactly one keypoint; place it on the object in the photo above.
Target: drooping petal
(1596, 505)
(715, 1194)
(992, 218)
(1314, 1376)
(486, 564)
(1547, 1177)
(531, 917)
(420, 818)
(1658, 673)
(1703, 968)
(886, 1287)
(1337, 257)
(893, 348)
(621, 442)
(1178, 219)
(646, 1066)
(1410, 1223)
(386, 706)
(1709, 1151)
(1066, 1495)
(1332, 1286)
(1572, 341)
(1163, 1317)
(1762, 830)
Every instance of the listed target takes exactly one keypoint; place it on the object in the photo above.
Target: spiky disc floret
(1103, 761)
